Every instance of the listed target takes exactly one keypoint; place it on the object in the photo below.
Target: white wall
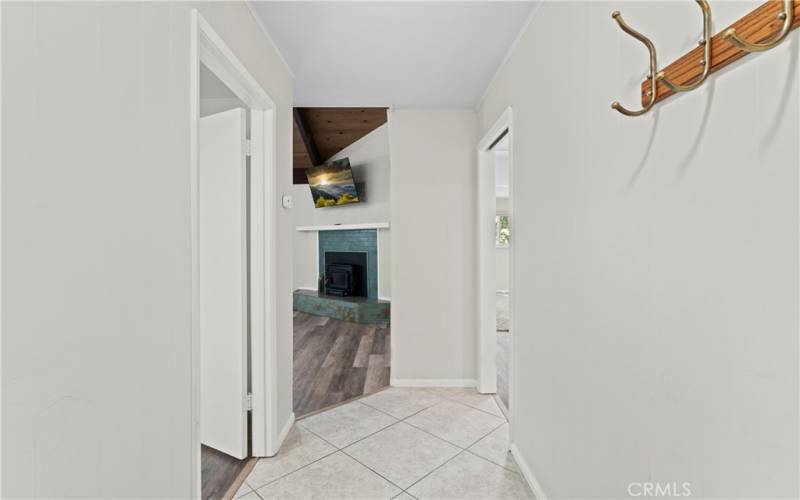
(96, 243)
(659, 256)
(369, 157)
(433, 186)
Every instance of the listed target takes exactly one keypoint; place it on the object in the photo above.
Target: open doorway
(341, 248)
(502, 262)
(495, 261)
(234, 374)
(224, 185)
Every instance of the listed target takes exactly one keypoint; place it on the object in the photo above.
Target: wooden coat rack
(759, 25)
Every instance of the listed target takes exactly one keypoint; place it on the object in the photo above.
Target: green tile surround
(353, 240)
(354, 309)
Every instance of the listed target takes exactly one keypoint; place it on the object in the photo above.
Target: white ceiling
(402, 54)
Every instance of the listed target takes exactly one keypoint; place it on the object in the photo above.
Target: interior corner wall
(369, 158)
(656, 259)
(96, 243)
(434, 248)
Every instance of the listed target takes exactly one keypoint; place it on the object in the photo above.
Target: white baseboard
(429, 382)
(284, 432)
(538, 492)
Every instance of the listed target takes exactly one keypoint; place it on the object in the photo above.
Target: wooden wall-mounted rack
(759, 25)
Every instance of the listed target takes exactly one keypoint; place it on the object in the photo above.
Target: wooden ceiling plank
(308, 140)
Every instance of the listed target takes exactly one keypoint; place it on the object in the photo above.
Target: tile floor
(398, 443)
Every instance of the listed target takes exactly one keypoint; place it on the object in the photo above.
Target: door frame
(487, 208)
(208, 48)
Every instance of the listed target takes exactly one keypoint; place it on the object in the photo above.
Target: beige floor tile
(347, 424)
(459, 424)
(243, 490)
(404, 496)
(468, 476)
(300, 448)
(402, 454)
(494, 448)
(335, 476)
(470, 397)
(402, 402)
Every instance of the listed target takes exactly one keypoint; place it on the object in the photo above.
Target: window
(502, 233)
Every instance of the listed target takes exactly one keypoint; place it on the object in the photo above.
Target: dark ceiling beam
(308, 141)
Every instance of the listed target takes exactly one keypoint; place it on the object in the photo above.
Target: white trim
(260, 23)
(377, 264)
(525, 469)
(350, 104)
(433, 110)
(509, 52)
(207, 46)
(431, 382)
(345, 227)
(284, 432)
(487, 287)
(387, 299)
(194, 338)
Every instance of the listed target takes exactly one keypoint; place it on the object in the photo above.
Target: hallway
(398, 443)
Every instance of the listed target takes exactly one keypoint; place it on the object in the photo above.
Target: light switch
(287, 201)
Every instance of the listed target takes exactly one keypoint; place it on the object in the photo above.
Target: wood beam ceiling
(320, 133)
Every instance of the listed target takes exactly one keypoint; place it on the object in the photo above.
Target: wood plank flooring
(335, 361)
(218, 471)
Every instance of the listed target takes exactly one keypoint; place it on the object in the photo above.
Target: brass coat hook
(705, 61)
(653, 68)
(787, 16)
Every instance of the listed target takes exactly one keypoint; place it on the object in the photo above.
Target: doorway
(495, 261)
(233, 226)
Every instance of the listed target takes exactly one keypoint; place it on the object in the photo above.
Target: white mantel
(344, 227)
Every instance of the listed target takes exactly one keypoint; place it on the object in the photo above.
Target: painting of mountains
(332, 184)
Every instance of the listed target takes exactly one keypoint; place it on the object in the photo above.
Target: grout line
(356, 441)
(435, 469)
(453, 458)
(295, 470)
(375, 472)
(404, 418)
(403, 490)
(485, 435)
(495, 463)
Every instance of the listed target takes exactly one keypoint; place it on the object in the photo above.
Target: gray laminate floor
(335, 361)
(398, 443)
(218, 472)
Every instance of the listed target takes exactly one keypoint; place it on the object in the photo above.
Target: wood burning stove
(345, 274)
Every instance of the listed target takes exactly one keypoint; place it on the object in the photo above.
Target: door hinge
(249, 401)
(247, 147)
